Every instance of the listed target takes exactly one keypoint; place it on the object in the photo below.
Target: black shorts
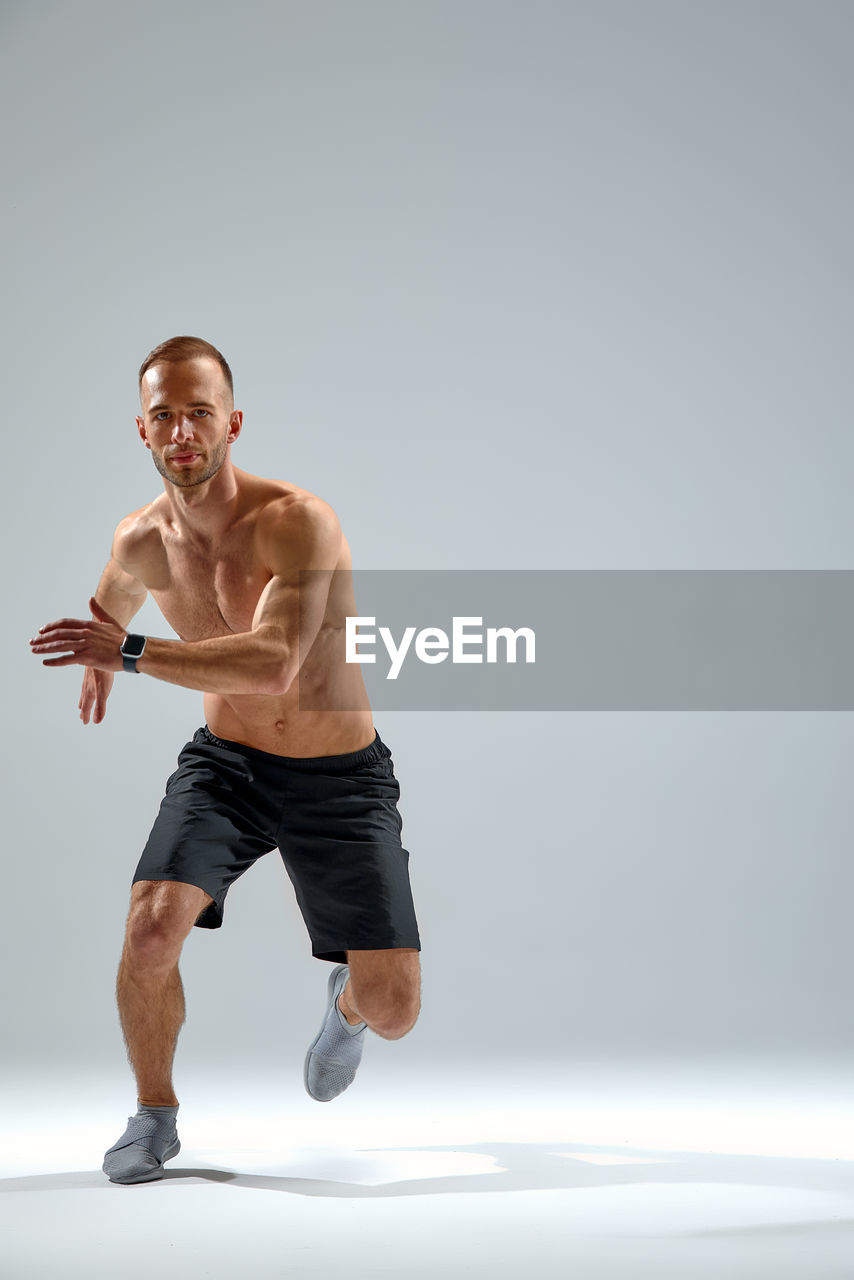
(334, 820)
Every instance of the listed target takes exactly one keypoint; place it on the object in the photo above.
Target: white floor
(555, 1170)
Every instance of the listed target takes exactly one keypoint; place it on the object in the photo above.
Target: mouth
(183, 457)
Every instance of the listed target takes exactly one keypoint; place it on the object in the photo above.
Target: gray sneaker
(336, 1051)
(150, 1139)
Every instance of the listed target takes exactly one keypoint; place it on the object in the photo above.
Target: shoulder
(278, 504)
(137, 537)
(299, 528)
(297, 511)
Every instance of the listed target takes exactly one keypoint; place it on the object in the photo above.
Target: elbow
(279, 678)
(273, 666)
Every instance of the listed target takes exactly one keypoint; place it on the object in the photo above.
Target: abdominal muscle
(275, 723)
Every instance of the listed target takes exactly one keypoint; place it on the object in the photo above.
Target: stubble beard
(189, 479)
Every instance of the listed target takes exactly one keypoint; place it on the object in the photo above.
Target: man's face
(188, 419)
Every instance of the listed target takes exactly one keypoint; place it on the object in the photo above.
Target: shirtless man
(221, 551)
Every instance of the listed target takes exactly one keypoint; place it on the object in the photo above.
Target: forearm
(252, 662)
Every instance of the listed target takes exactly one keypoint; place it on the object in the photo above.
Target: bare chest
(206, 591)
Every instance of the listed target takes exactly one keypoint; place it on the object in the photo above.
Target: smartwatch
(130, 650)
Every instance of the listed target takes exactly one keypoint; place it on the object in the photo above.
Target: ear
(235, 424)
(140, 426)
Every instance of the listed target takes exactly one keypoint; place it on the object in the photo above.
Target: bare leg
(387, 990)
(151, 1010)
(148, 989)
(380, 988)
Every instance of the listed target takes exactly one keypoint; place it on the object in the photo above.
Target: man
(221, 552)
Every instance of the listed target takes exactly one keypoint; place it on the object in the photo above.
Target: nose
(183, 429)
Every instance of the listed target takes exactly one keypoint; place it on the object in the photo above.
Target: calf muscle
(151, 1011)
(149, 991)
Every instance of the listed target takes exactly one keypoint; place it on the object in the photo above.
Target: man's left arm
(264, 660)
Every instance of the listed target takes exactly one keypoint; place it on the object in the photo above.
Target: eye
(203, 412)
(164, 413)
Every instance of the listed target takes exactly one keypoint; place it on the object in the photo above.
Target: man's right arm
(122, 595)
(119, 592)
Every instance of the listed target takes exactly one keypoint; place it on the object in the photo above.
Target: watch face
(133, 646)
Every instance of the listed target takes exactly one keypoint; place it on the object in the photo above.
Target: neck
(207, 509)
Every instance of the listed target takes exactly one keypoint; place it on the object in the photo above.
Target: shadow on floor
(523, 1166)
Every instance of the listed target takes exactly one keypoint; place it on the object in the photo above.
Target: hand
(92, 644)
(96, 689)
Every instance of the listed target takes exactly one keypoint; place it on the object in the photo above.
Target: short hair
(185, 348)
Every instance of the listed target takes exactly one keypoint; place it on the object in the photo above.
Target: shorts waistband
(339, 763)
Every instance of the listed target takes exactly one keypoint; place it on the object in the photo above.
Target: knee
(157, 925)
(391, 1014)
(395, 1028)
(152, 941)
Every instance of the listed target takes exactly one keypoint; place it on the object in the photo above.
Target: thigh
(154, 898)
(215, 821)
(165, 907)
(340, 840)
